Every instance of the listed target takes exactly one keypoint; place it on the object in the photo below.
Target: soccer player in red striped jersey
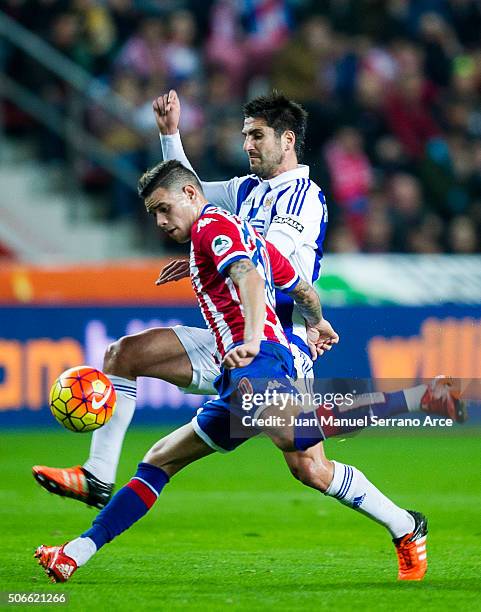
(218, 240)
(234, 272)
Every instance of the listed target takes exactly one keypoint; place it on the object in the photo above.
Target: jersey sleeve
(298, 219)
(224, 194)
(220, 240)
(284, 275)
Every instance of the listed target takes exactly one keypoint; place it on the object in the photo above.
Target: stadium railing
(84, 90)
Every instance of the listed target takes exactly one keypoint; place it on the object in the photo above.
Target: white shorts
(201, 349)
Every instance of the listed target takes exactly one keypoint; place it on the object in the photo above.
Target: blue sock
(381, 405)
(128, 505)
(395, 404)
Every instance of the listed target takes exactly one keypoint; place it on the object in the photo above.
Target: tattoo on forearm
(307, 301)
(239, 269)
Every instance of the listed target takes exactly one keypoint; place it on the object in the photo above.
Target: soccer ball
(82, 399)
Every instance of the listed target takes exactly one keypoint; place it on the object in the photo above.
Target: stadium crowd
(393, 90)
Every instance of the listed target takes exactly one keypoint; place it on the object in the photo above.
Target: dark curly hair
(281, 114)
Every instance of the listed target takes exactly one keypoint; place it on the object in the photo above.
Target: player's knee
(158, 456)
(117, 358)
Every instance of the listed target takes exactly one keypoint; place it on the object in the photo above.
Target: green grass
(237, 532)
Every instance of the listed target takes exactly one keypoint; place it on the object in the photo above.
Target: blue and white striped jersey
(289, 210)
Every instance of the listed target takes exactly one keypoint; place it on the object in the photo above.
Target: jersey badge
(245, 387)
(221, 244)
(268, 203)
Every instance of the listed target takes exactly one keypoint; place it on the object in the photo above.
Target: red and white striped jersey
(219, 238)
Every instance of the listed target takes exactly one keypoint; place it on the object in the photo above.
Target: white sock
(353, 489)
(80, 550)
(107, 441)
(413, 397)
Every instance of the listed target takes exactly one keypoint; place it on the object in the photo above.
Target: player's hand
(241, 355)
(167, 112)
(174, 271)
(321, 338)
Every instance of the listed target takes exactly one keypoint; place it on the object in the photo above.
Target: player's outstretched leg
(441, 397)
(129, 504)
(349, 486)
(157, 353)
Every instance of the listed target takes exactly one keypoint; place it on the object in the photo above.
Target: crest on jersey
(221, 244)
(268, 203)
(245, 386)
(203, 221)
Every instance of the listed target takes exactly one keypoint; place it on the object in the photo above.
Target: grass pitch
(237, 532)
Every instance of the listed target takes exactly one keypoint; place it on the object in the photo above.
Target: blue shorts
(219, 421)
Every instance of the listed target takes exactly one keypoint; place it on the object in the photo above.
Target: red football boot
(442, 397)
(57, 565)
(411, 550)
(75, 482)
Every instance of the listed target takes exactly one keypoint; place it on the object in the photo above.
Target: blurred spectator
(350, 176)
(445, 172)
(181, 57)
(300, 68)
(99, 32)
(426, 236)
(66, 36)
(406, 208)
(340, 239)
(224, 46)
(267, 27)
(439, 45)
(144, 51)
(377, 233)
(365, 110)
(462, 236)
(409, 117)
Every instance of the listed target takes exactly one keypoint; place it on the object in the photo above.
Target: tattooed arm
(320, 334)
(307, 302)
(251, 291)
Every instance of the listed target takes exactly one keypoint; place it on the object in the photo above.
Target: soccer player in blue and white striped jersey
(284, 205)
(278, 199)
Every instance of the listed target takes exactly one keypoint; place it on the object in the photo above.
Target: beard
(267, 165)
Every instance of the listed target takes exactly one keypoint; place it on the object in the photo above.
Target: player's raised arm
(167, 116)
(251, 292)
